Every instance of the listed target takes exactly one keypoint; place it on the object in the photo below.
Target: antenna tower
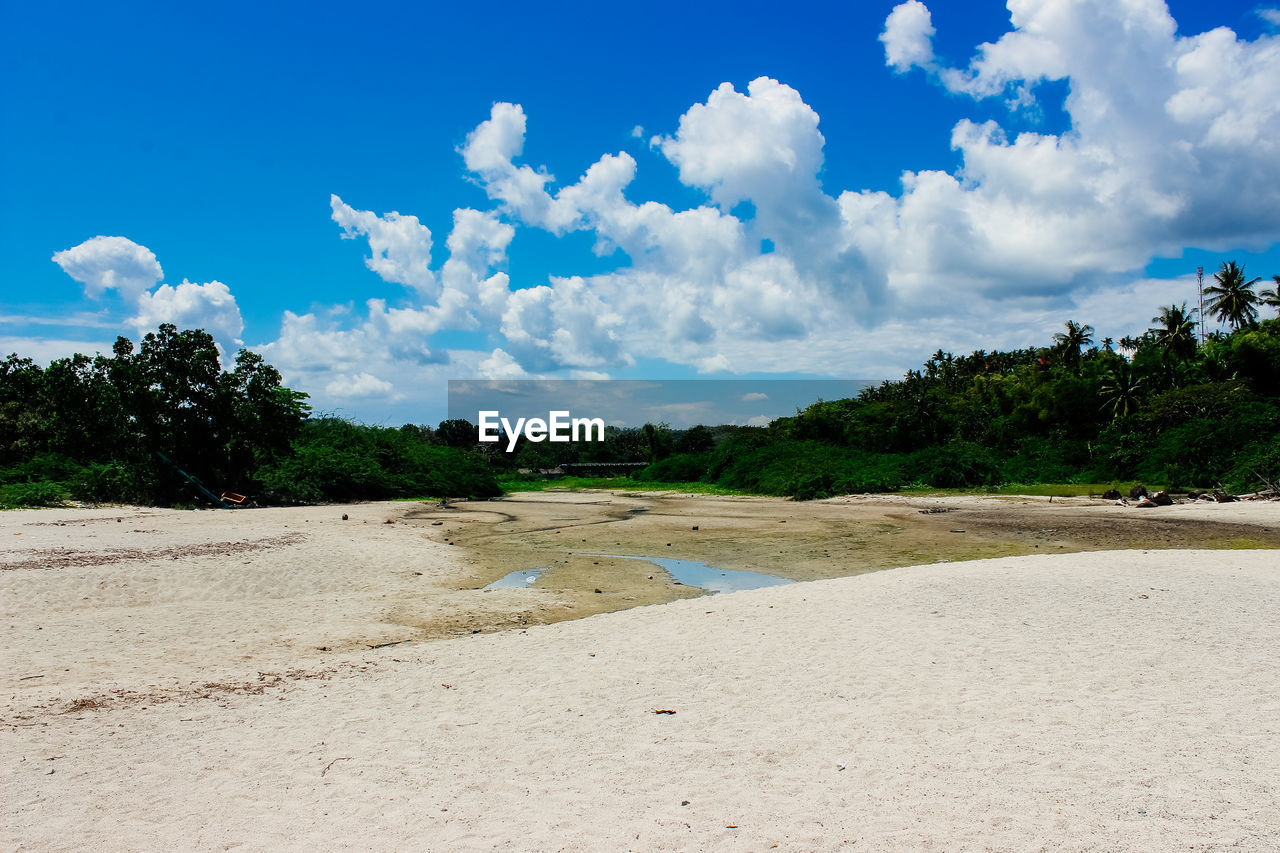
(1200, 289)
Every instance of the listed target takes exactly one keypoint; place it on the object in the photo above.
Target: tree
(1271, 296)
(1232, 299)
(1119, 389)
(696, 439)
(457, 432)
(1072, 341)
(1175, 331)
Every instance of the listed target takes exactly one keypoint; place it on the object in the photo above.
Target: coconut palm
(1232, 299)
(1271, 296)
(1119, 388)
(1072, 340)
(1175, 331)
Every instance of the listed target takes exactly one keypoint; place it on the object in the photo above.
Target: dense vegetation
(1174, 411)
(132, 426)
(1169, 406)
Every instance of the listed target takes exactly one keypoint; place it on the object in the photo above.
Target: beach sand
(210, 680)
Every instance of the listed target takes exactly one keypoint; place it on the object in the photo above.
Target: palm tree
(1271, 296)
(1175, 331)
(1070, 341)
(1232, 299)
(1120, 388)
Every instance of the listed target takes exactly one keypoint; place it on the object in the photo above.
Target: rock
(1145, 501)
(1162, 499)
(1111, 495)
(1222, 497)
(1138, 491)
(344, 516)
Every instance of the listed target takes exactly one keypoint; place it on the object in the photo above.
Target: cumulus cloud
(1171, 143)
(501, 365)
(1043, 218)
(191, 306)
(358, 385)
(908, 36)
(111, 263)
(401, 245)
(117, 263)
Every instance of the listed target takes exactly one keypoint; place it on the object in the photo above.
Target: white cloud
(908, 36)
(358, 385)
(500, 365)
(1172, 143)
(43, 350)
(1270, 15)
(401, 245)
(111, 263)
(191, 306)
(753, 396)
(117, 263)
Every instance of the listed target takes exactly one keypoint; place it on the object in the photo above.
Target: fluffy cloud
(908, 36)
(191, 306)
(359, 385)
(117, 263)
(401, 245)
(1046, 219)
(500, 365)
(111, 263)
(1172, 143)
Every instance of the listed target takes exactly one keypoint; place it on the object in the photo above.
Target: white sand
(1110, 700)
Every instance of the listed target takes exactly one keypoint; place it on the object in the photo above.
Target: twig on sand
(335, 761)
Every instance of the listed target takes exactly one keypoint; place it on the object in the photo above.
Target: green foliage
(32, 494)
(96, 426)
(1161, 409)
(337, 460)
(1255, 467)
(1173, 413)
(683, 467)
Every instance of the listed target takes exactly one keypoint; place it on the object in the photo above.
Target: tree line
(1169, 405)
(162, 423)
(1160, 406)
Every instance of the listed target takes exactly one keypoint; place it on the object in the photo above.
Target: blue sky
(748, 216)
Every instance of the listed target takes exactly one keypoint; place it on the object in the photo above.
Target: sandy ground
(286, 679)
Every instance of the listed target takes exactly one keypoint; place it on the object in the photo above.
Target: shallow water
(521, 579)
(694, 573)
(687, 572)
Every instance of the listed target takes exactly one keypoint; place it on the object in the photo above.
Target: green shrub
(681, 468)
(32, 494)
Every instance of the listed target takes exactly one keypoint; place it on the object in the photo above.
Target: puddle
(687, 572)
(694, 573)
(521, 579)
